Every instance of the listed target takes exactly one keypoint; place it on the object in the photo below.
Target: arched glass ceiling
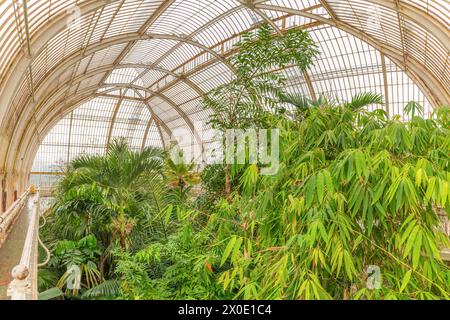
(162, 56)
(356, 67)
(87, 129)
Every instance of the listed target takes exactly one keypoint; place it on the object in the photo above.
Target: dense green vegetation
(354, 190)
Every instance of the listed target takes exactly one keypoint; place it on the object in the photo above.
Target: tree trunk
(102, 267)
(123, 243)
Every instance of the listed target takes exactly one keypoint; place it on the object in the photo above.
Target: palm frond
(364, 99)
(106, 289)
(299, 101)
(50, 294)
(414, 108)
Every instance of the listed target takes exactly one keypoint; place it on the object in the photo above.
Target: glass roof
(76, 74)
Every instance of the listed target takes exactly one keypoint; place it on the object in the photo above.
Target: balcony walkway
(11, 250)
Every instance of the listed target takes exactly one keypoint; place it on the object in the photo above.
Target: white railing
(24, 284)
(8, 218)
(46, 191)
(445, 226)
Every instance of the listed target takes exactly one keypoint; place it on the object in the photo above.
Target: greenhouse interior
(224, 150)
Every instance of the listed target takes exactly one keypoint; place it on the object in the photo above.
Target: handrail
(46, 191)
(7, 218)
(47, 251)
(24, 284)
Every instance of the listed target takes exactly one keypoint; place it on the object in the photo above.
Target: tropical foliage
(352, 212)
(257, 88)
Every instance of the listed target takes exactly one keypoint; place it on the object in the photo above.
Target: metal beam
(113, 121)
(167, 100)
(153, 116)
(158, 12)
(427, 21)
(308, 81)
(137, 89)
(92, 92)
(426, 81)
(251, 4)
(29, 69)
(29, 149)
(53, 75)
(86, 40)
(190, 36)
(152, 93)
(111, 67)
(385, 82)
(15, 74)
(147, 130)
(58, 69)
(328, 8)
(326, 21)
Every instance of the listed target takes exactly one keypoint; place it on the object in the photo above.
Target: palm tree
(109, 196)
(180, 178)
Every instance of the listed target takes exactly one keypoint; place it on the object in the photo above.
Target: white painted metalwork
(24, 284)
(8, 218)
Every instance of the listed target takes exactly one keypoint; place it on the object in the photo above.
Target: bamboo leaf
(228, 249)
(410, 242)
(236, 249)
(405, 280)
(359, 162)
(348, 265)
(408, 230)
(443, 192)
(320, 183)
(419, 176)
(430, 188)
(417, 250)
(310, 190)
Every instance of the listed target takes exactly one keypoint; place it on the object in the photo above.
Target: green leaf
(443, 192)
(236, 249)
(416, 251)
(320, 184)
(310, 188)
(405, 280)
(412, 108)
(328, 182)
(228, 249)
(379, 191)
(408, 230)
(168, 213)
(365, 99)
(419, 176)
(348, 265)
(410, 242)
(51, 294)
(430, 189)
(106, 289)
(359, 162)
